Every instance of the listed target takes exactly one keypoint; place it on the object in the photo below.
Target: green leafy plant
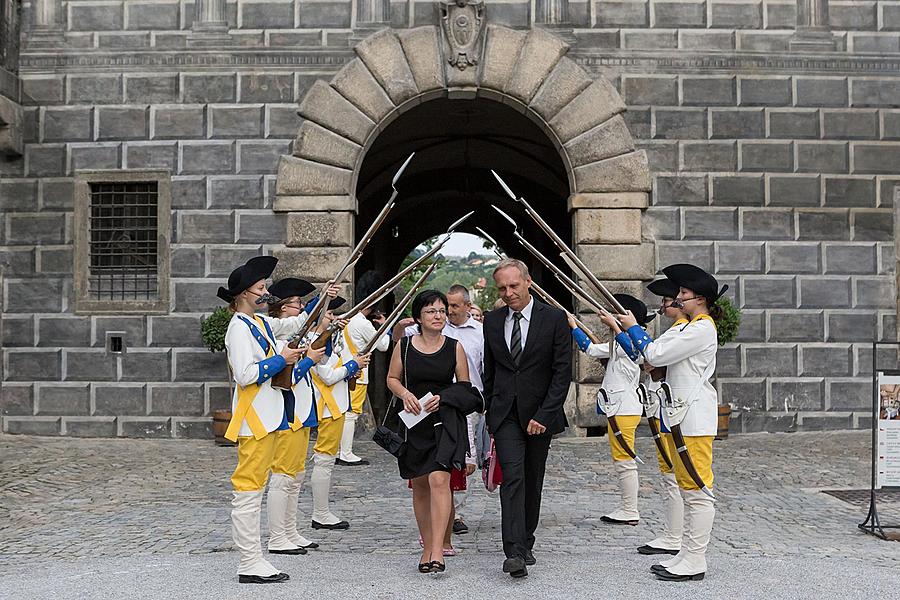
(727, 327)
(213, 328)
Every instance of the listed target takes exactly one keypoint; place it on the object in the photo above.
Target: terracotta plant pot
(221, 419)
(724, 418)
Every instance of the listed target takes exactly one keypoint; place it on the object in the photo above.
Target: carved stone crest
(462, 22)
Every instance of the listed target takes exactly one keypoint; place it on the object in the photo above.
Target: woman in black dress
(427, 362)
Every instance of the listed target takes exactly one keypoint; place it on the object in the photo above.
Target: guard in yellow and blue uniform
(669, 540)
(333, 399)
(618, 398)
(292, 436)
(690, 358)
(357, 334)
(257, 408)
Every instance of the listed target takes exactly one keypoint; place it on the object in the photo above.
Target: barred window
(121, 238)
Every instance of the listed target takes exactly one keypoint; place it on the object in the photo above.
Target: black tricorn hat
(336, 303)
(290, 287)
(663, 288)
(637, 308)
(255, 269)
(696, 280)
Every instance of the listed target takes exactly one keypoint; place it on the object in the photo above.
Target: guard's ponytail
(275, 309)
(716, 312)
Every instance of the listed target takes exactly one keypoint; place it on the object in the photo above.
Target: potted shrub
(727, 330)
(212, 332)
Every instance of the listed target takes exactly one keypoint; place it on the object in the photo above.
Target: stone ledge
(287, 203)
(609, 200)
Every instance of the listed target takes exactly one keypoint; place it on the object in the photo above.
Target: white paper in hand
(411, 420)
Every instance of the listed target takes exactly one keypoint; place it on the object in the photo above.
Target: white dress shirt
(523, 323)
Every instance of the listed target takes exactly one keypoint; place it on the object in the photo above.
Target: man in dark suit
(527, 372)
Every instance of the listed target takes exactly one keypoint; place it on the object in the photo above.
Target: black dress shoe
(338, 525)
(647, 549)
(515, 566)
(530, 560)
(607, 519)
(664, 575)
(292, 551)
(656, 568)
(346, 463)
(276, 578)
(310, 546)
(459, 527)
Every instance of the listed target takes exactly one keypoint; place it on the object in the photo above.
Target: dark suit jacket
(539, 383)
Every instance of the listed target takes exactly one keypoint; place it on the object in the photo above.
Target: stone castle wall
(772, 167)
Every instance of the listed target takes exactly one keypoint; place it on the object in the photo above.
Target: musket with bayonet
(575, 289)
(395, 314)
(388, 286)
(283, 379)
(541, 292)
(565, 251)
(383, 291)
(582, 295)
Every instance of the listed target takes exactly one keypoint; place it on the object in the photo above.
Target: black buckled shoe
(664, 575)
(276, 578)
(530, 560)
(647, 549)
(608, 519)
(291, 551)
(310, 546)
(356, 463)
(338, 525)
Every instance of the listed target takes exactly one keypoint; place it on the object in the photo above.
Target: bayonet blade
(400, 172)
(459, 221)
(506, 216)
(508, 191)
(487, 236)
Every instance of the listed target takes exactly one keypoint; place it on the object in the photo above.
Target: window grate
(123, 241)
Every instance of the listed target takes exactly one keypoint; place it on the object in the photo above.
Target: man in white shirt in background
(465, 329)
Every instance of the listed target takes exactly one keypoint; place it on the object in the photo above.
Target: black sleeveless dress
(424, 373)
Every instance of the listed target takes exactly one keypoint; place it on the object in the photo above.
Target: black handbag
(384, 436)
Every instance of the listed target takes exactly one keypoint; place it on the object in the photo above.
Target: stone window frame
(83, 303)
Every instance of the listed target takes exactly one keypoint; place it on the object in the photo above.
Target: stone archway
(395, 70)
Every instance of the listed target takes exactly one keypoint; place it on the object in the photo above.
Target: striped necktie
(515, 340)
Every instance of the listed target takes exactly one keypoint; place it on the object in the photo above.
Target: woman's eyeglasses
(430, 312)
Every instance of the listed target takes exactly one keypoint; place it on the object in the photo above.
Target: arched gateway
(467, 98)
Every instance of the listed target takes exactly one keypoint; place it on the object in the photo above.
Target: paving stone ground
(86, 518)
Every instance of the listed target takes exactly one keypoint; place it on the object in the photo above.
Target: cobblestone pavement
(88, 513)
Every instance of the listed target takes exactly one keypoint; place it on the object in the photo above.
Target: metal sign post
(873, 524)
